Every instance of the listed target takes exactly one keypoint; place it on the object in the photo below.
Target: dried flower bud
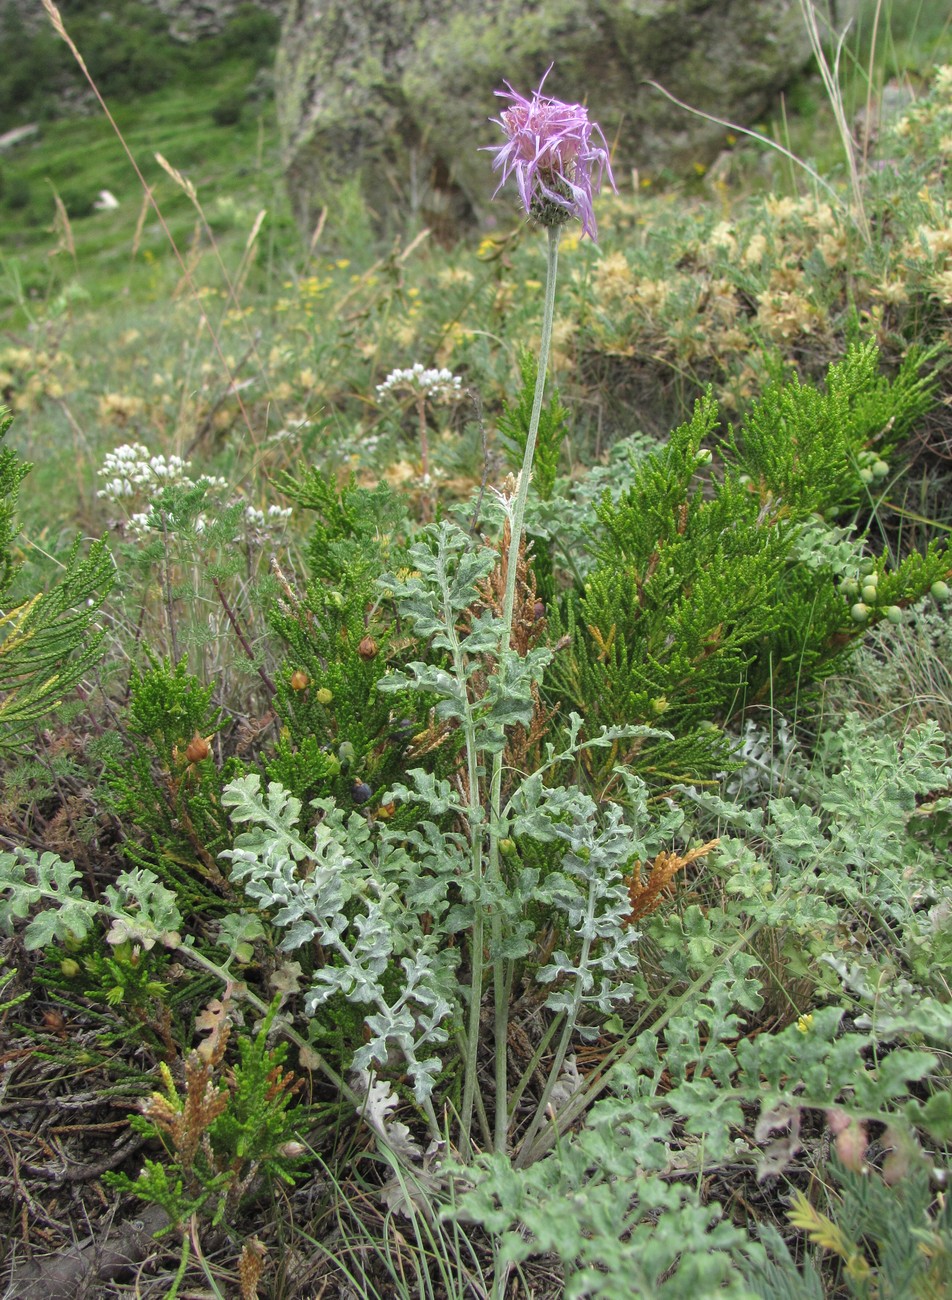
(900, 1156)
(299, 680)
(367, 648)
(850, 1139)
(198, 748)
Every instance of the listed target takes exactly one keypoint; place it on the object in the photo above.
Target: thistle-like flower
(549, 149)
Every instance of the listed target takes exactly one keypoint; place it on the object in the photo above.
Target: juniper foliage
(340, 736)
(164, 783)
(49, 641)
(705, 600)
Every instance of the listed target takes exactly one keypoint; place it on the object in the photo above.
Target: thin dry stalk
(318, 231)
(64, 231)
(868, 118)
(244, 266)
(58, 26)
(145, 208)
(831, 83)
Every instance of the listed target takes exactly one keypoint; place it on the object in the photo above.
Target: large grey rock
(188, 19)
(395, 94)
(191, 19)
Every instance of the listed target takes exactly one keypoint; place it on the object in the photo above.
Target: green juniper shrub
(165, 783)
(340, 735)
(712, 593)
(129, 994)
(887, 1231)
(50, 640)
(821, 450)
(13, 470)
(352, 527)
(226, 1132)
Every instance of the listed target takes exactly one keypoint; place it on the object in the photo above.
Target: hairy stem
(501, 977)
(471, 1053)
(568, 1029)
(424, 455)
(522, 491)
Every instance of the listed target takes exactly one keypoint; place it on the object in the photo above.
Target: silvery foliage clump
(620, 1201)
(441, 588)
(142, 909)
(588, 888)
(339, 887)
(361, 890)
(763, 755)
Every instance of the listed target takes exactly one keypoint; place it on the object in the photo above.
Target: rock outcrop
(395, 94)
(191, 19)
(188, 19)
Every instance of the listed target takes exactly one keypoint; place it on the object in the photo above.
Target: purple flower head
(549, 148)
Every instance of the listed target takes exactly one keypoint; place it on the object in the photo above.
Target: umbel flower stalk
(558, 158)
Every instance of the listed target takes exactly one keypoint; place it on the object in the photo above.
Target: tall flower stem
(424, 454)
(522, 491)
(502, 969)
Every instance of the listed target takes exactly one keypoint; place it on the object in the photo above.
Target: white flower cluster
(291, 432)
(262, 524)
(261, 518)
(134, 475)
(440, 385)
(130, 469)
